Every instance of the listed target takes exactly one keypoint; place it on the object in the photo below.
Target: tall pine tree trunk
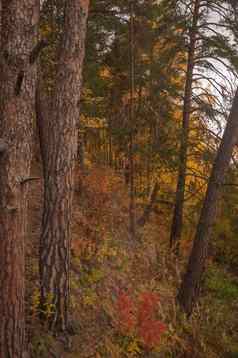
(58, 135)
(177, 221)
(19, 20)
(190, 287)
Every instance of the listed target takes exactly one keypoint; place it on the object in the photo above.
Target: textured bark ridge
(58, 135)
(190, 287)
(177, 222)
(19, 20)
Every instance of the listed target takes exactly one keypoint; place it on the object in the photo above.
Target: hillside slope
(123, 291)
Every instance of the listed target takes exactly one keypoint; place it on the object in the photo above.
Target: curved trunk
(19, 21)
(190, 287)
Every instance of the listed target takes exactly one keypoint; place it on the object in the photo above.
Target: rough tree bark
(19, 21)
(58, 136)
(190, 287)
(177, 220)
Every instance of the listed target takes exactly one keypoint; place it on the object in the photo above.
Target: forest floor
(123, 290)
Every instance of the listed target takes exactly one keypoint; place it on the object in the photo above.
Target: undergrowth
(123, 293)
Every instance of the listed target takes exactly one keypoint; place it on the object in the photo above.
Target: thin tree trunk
(19, 24)
(58, 135)
(81, 151)
(177, 221)
(148, 209)
(0, 21)
(110, 154)
(191, 284)
(131, 124)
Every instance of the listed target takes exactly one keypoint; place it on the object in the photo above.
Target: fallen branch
(26, 180)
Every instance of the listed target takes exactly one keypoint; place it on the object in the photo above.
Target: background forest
(119, 178)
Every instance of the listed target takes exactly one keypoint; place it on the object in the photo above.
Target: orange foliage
(126, 313)
(149, 329)
(138, 317)
(100, 197)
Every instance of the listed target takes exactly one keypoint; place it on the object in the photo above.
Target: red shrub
(126, 313)
(148, 302)
(138, 318)
(150, 332)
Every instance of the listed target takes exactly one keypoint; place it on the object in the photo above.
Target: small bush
(137, 318)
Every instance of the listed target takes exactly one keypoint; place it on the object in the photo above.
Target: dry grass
(106, 261)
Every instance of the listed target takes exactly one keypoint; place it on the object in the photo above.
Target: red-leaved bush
(126, 313)
(138, 317)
